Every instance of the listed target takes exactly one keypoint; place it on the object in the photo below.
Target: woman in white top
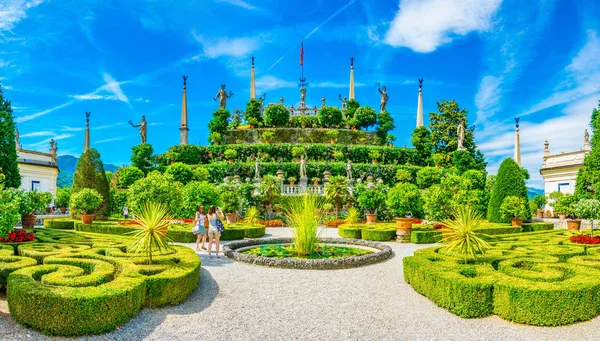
(199, 221)
(213, 232)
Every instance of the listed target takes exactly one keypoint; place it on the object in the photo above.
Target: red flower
(18, 236)
(585, 239)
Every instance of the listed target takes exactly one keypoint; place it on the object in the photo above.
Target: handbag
(220, 226)
(195, 229)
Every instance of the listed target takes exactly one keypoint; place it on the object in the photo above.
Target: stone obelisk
(183, 129)
(420, 104)
(86, 142)
(351, 94)
(252, 87)
(517, 155)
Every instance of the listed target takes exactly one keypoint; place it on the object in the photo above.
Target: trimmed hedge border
(535, 278)
(380, 232)
(60, 223)
(308, 264)
(432, 236)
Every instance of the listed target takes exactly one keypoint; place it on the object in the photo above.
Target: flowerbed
(585, 239)
(18, 236)
(272, 223)
(333, 223)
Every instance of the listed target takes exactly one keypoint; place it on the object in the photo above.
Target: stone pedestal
(303, 184)
(402, 237)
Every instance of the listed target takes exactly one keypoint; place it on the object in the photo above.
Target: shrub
(588, 209)
(90, 174)
(219, 122)
(463, 161)
(128, 175)
(63, 196)
(330, 116)
(9, 206)
(268, 135)
(336, 191)
(303, 217)
(540, 201)
(253, 116)
(180, 172)
(461, 234)
(402, 175)
(385, 123)
(352, 216)
(197, 193)
(118, 199)
(297, 152)
(201, 173)
(378, 235)
(404, 198)
(371, 200)
(158, 188)
(476, 177)
(333, 134)
(509, 182)
(365, 116)
(215, 137)
(374, 155)
(276, 115)
(60, 224)
(429, 176)
(252, 215)
(230, 202)
(338, 156)
(31, 201)
(230, 154)
(565, 204)
(86, 201)
(142, 157)
(291, 179)
(513, 208)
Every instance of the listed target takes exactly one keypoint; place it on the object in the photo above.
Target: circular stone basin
(340, 258)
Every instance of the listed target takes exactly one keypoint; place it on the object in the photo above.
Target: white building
(38, 170)
(560, 170)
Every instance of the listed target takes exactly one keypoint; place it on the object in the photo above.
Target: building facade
(560, 170)
(38, 171)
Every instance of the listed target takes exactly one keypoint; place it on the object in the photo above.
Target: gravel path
(237, 301)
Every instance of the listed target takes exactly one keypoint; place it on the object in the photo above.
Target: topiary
(219, 122)
(404, 198)
(230, 154)
(509, 182)
(429, 176)
(142, 157)
(330, 116)
(351, 108)
(297, 152)
(156, 187)
(63, 196)
(200, 173)
(402, 175)
(365, 116)
(276, 115)
(180, 172)
(86, 201)
(333, 134)
(197, 193)
(513, 208)
(253, 116)
(9, 165)
(90, 174)
(215, 138)
(385, 123)
(128, 175)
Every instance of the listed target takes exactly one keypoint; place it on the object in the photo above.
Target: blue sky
(124, 59)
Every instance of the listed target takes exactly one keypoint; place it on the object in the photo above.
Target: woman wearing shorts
(199, 221)
(213, 232)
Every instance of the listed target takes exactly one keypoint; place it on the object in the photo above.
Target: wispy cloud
(88, 97)
(13, 11)
(65, 128)
(109, 140)
(157, 124)
(239, 3)
(424, 25)
(110, 90)
(114, 87)
(26, 118)
(226, 47)
(38, 133)
(266, 83)
(108, 126)
(47, 141)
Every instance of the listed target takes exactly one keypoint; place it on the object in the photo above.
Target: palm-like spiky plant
(336, 190)
(303, 217)
(352, 217)
(461, 234)
(152, 236)
(252, 215)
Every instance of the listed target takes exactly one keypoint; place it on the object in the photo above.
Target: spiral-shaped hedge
(71, 283)
(539, 278)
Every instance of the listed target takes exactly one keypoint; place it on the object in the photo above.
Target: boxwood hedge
(375, 232)
(70, 283)
(60, 223)
(536, 278)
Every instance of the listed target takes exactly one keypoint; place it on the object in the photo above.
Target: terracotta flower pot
(230, 160)
(332, 141)
(267, 141)
(63, 210)
(28, 222)
(216, 143)
(87, 219)
(391, 145)
(374, 162)
(540, 214)
(315, 182)
(292, 182)
(404, 224)
(573, 225)
(516, 222)
(48, 210)
(231, 218)
(353, 127)
(371, 218)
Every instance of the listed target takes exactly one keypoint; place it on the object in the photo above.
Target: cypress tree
(90, 174)
(588, 177)
(510, 181)
(9, 165)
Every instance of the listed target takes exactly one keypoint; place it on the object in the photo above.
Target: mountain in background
(532, 192)
(67, 165)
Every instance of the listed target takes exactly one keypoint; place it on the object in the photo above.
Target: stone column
(303, 184)
(252, 87)
(351, 94)
(517, 155)
(420, 109)
(86, 142)
(183, 129)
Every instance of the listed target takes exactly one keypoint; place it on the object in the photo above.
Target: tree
(337, 190)
(351, 108)
(9, 165)
(90, 174)
(443, 125)
(155, 188)
(429, 176)
(463, 161)
(63, 197)
(404, 198)
(127, 176)
(270, 192)
(421, 140)
(509, 182)
(276, 115)
(253, 111)
(198, 193)
(180, 172)
(588, 177)
(330, 117)
(219, 122)
(385, 123)
(142, 157)
(365, 116)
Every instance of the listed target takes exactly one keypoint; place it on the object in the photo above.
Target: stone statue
(343, 99)
(352, 59)
(281, 100)
(460, 134)
(87, 118)
(302, 167)
(257, 169)
(384, 98)
(19, 143)
(322, 102)
(261, 99)
(586, 137)
(303, 95)
(349, 170)
(142, 127)
(223, 96)
(421, 83)
(53, 150)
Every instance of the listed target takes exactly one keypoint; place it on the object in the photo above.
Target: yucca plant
(461, 234)
(152, 236)
(352, 217)
(252, 215)
(303, 216)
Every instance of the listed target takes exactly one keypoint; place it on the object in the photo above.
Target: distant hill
(67, 165)
(532, 192)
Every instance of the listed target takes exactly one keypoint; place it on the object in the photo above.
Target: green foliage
(276, 115)
(461, 234)
(31, 201)
(588, 177)
(421, 140)
(333, 134)
(540, 201)
(9, 209)
(90, 174)
(336, 192)
(330, 117)
(588, 209)
(86, 201)
(375, 232)
(267, 135)
(351, 107)
(564, 205)
(180, 172)
(201, 173)
(429, 176)
(155, 188)
(152, 237)
(385, 124)
(476, 177)
(219, 122)
(338, 156)
(236, 121)
(270, 192)
(365, 116)
(402, 175)
(509, 182)
(197, 193)
(463, 161)
(118, 199)
(352, 216)
(390, 138)
(142, 157)
(297, 152)
(374, 155)
(440, 200)
(514, 207)
(230, 201)
(230, 154)
(215, 137)
(129, 175)
(253, 116)
(371, 200)
(8, 148)
(252, 215)
(554, 196)
(60, 224)
(404, 198)
(303, 216)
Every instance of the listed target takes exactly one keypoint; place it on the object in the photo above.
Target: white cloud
(109, 140)
(13, 11)
(47, 141)
(38, 133)
(65, 128)
(26, 118)
(239, 3)
(111, 90)
(227, 47)
(424, 25)
(114, 87)
(157, 124)
(266, 83)
(488, 97)
(88, 97)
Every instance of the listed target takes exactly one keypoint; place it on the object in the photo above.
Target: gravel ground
(237, 301)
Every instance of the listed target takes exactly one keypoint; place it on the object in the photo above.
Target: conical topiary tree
(510, 181)
(90, 174)
(9, 165)
(588, 177)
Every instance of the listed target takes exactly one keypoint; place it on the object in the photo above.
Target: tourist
(200, 223)
(213, 231)
(125, 211)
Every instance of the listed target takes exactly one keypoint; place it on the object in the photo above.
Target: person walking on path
(213, 231)
(200, 222)
(125, 212)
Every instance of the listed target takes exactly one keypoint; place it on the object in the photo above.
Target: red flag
(302, 53)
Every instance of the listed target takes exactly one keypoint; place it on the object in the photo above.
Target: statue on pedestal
(322, 102)
(19, 143)
(460, 135)
(261, 99)
(302, 96)
(142, 127)
(343, 99)
(302, 167)
(53, 150)
(257, 169)
(349, 170)
(384, 98)
(223, 96)
(586, 138)
(281, 100)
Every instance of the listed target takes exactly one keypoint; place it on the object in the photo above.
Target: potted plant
(215, 138)
(297, 152)
(588, 209)
(304, 120)
(85, 203)
(438, 159)
(515, 209)
(230, 154)
(63, 196)
(230, 204)
(564, 208)
(540, 201)
(405, 201)
(374, 155)
(390, 139)
(253, 122)
(31, 201)
(328, 207)
(352, 122)
(267, 135)
(291, 179)
(371, 200)
(316, 181)
(333, 135)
